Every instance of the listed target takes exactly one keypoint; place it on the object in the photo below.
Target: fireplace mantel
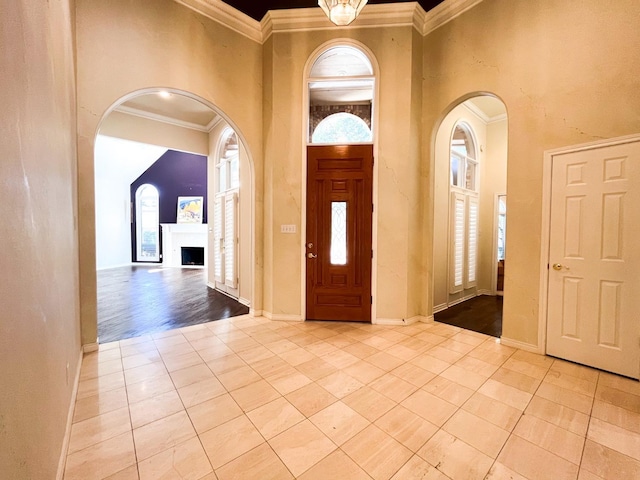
(178, 235)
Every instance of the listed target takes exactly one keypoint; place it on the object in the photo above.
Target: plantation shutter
(472, 241)
(217, 239)
(457, 242)
(230, 239)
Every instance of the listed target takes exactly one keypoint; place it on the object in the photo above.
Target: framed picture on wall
(190, 209)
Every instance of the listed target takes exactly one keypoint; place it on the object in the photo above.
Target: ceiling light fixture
(342, 12)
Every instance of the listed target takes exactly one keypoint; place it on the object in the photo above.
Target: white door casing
(593, 298)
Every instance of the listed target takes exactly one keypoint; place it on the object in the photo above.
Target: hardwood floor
(481, 314)
(139, 300)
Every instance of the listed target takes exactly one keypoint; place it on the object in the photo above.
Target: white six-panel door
(593, 313)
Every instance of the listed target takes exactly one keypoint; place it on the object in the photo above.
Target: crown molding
(483, 116)
(445, 12)
(168, 120)
(226, 15)
(305, 19)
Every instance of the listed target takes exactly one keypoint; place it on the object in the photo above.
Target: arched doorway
(470, 184)
(177, 124)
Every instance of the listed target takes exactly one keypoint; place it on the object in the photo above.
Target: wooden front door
(338, 242)
(594, 258)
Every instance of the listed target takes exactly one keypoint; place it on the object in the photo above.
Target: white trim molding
(256, 313)
(72, 406)
(445, 12)
(281, 317)
(226, 15)
(528, 347)
(403, 321)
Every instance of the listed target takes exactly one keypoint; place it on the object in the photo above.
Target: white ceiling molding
(305, 19)
(226, 15)
(445, 12)
(474, 109)
(165, 119)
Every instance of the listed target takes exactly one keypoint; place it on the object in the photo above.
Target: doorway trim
(337, 42)
(546, 223)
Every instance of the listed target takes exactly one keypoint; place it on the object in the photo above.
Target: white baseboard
(528, 347)
(401, 321)
(440, 308)
(428, 319)
(256, 313)
(281, 317)
(485, 292)
(90, 347)
(244, 301)
(72, 405)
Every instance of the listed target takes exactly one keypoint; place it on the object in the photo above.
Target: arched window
(341, 91)
(464, 165)
(341, 128)
(147, 224)
(225, 214)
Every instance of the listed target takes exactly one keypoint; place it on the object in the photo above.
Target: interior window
(341, 128)
(147, 223)
(464, 165)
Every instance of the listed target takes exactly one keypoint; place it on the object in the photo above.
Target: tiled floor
(247, 398)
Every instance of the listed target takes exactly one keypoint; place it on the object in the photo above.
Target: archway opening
(151, 265)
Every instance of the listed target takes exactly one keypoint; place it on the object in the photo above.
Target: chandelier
(342, 12)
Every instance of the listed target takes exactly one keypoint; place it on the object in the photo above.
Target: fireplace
(192, 255)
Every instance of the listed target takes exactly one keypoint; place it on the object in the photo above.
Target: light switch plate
(287, 229)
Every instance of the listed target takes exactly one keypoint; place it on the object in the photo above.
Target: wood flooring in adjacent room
(140, 300)
(482, 314)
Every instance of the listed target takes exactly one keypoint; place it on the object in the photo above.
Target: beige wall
(153, 132)
(39, 322)
(567, 71)
(126, 46)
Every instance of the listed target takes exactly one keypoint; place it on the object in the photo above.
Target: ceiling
(258, 9)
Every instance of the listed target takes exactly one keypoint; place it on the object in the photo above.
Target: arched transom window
(464, 164)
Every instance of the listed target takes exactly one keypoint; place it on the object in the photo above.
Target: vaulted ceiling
(258, 9)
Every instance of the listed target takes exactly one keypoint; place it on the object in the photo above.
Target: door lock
(310, 245)
(311, 255)
(557, 266)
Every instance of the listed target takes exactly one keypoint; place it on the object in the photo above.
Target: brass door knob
(311, 255)
(557, 266)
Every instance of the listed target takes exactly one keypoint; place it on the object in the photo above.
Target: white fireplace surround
(178, 235)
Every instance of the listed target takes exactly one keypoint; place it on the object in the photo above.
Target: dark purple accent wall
(174, 174)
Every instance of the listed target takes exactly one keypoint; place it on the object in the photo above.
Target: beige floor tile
(430, 407)
(402, 352)
(377, 453)
(520, 366)
(260, 463)
(608, 464)
(339, 422)
(475, 365)
(495, 412)
(456, 346)
(135, 348)
(185, 360)
(384, 361)
(619, 398)
(155, 408)
(431, 364)
(275, 417)
(289, 382)
(575, 370)
(143, 339)
(379, 342)
(533, 358)
(281, 345)
(517, 380)
(272, 366)
(149, 388)
(531, 461)
(455, 458)
(585, 475)
(321, 348)
(369, 403)
(311, 399)
(175, 350)
(214, 412)
(448, 390)
(464, 377)
(500, 472)
(96, 386)
(98, 429)
(406, 427)
(616, 415)
(254, 395)
(100, 368)
(140, 359)
(506, 394)
(129, 473)
(417, 469)
(238, 378)
(211, 354)
(570, 382)
(226, 364)
(340, 359)
(360, 350)
(316, 369)
(495, 358)
(556, 440)
(228, 441)
(445, 354)
(619, 383)
(101, 460)
(256, 354)
(615, 438)
(144, 372)
(239, 345)
(336, 466)
(182, 461)
(201, 392)
(105, 402)
(364, 371)
(340, 384)
(301, 447)
(477, 432)
(393, 387)
(559, 415)
(574, 400)
(297, 357)
(162, 434)
(413, 374)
